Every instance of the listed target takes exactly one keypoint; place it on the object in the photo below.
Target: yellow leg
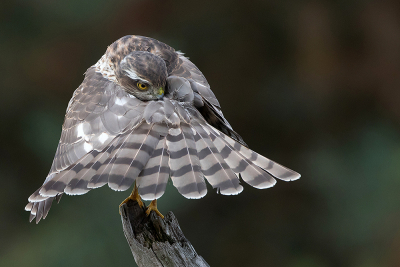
(133, 196)
(153, 206)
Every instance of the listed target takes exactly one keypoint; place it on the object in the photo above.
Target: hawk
(145, 113)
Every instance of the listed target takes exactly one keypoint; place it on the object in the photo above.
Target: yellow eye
(141, 86)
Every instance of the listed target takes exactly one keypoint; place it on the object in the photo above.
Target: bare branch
(155, 241)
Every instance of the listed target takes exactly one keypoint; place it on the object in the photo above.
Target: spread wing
(204, 99)
(98, 115)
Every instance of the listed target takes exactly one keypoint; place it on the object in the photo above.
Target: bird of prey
(145, 113)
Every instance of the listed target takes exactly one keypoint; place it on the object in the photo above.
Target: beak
(160, 93)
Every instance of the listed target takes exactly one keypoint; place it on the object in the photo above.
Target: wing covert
(98, 111)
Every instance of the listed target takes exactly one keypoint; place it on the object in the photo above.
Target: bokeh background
(314, 85)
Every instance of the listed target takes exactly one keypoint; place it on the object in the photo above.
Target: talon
(153, 207)
(133, 196)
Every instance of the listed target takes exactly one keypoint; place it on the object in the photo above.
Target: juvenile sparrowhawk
(145, 113)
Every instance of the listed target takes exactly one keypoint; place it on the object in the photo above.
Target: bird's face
(143, 75)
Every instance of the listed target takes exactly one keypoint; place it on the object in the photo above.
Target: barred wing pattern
(111, 137)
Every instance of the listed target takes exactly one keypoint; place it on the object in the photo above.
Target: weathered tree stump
(155, 241)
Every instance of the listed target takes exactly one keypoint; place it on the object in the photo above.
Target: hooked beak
(160, 93)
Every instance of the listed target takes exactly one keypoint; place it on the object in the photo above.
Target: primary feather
(113, 134)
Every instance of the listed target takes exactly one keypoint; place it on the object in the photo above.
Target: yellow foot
(133, 196)
(153, 206)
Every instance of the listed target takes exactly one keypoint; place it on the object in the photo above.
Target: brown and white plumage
(116, 132)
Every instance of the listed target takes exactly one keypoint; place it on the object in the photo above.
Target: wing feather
(96, 118)
(132, 157)
(153, 179)
(184, 163)
(103, 170)
(275, 169)
(250, 173)
(61, 180)
(213, 166)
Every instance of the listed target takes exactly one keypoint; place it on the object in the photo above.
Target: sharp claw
(153, 207)
(133, 196)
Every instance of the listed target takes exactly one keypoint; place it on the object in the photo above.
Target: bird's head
(143, 75)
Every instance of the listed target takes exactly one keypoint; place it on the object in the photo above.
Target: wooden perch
(155, 241)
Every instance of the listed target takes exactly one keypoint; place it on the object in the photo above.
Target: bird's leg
(153, 206)
(133, 196)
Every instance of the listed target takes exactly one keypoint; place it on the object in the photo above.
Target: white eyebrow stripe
(132, 74)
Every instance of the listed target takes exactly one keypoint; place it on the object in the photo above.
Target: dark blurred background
(314, 85)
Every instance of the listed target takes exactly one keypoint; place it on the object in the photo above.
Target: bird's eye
(141, 86)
